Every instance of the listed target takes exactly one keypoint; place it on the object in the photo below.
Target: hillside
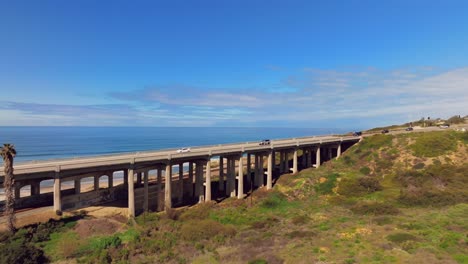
(389, 199)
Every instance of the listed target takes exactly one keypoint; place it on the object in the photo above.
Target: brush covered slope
(388, 199)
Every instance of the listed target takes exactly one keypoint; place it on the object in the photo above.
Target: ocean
(42, 143)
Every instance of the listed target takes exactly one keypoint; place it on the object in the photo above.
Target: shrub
(359, 186)
(365, 170)
(433, 144)
(418, 166)
(327, 186)
(400, 238)
(374, 208)
(196, 230)
(273, 200)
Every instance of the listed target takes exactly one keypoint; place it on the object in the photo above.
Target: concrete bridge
(169, 187)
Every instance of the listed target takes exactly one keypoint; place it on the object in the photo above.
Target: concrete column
(199, 182)
(232, 179)
(256, 171)
(338, 151)
(221, 174)
(294, 170)
(180, 196)
(159, 188)
(330, 153)
(125, 177)
(317, 157)
(17, 191)
(190, 175)
(110, 179)
(270, 170)
(77, 186)
(286, 157)
(57, 193)
(228, 176)
(309, 157)
(145, 191)
(35, 188)
(240, 179)
(131, 192)
(208, 181)
(249, 170)
(96, 183)
(261, 174)
(138, 181)
(167, 187)
(281, 162)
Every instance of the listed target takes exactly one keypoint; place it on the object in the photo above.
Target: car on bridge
(357, 133)
(385, 131)
(265, 142)
(183, 150)
(409, 129)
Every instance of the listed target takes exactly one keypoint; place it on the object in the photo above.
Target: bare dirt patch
(101, 226)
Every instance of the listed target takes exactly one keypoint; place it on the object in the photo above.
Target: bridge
(195, 176)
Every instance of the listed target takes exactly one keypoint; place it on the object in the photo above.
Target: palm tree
(8, 152)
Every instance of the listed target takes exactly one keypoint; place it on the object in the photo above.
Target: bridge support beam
(330, 153)
(77, 186)
(125, 177)
(286, 161)
(110, 180)
(240, 179)
(208, 181)
(261, 174)
(338, 151)
(180, 195)
(294, 169)
(167, 187)
(270, 166)
(190, 176)
(304, 158)
(159, 188)
(131, 193)
(232, 178)
(96, 182)
(145, 191)
(317, 157)
(57, 193)
(221, 174)
(249, 170)
(199, 182)
(35, 188)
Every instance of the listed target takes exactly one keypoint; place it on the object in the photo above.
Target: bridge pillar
(249, 170)
(221, 174)
(35, 188)
(145, 191)
(57, 193)
(256, 170)
(17, 188)
(199, 182)
(159, 187)
(338, 151)
(240, 179)
(131, 192)
(167, 187)
(294, 170)
(96, 182)
(125, 178)
(110, 180)
(317, 157)
(208, 181)
(232, 178)
(190, 173)
(180, 196)
(330, 153)
(310, 151)
(270, 166)
(77, 186)
(261, 174)
(286, 161)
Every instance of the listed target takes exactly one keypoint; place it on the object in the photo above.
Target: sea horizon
(59, 142)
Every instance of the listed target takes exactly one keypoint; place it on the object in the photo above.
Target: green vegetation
(389, 199)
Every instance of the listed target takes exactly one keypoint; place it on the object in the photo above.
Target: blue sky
(348, 64)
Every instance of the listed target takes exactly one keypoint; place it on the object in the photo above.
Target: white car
(183, 150)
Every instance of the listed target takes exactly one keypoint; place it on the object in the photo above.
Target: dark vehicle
(265, 142)
(409, 129)
(385, 131)
(357, 133)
